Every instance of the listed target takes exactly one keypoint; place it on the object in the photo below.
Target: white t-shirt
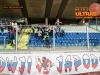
(15, 25)
(18, 29)
(12, 24)
(39, 33)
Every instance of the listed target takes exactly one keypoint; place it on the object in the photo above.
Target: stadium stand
(74, 36)
(22, 40)
(34, 44)
(4, 38)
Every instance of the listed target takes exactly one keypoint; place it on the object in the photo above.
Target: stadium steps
(23, 42)
(8, 46)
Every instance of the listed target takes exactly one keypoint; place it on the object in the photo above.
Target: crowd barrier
(74, 38)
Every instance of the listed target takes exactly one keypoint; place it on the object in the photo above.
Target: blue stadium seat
(69, 39)
(6, 36)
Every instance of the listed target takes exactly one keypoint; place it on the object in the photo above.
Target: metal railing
(74, 38)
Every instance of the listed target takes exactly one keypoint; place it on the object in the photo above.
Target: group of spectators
(45, 32)
(11, 26)
(41, 32)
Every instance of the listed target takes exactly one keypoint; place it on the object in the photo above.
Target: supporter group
(41, 32)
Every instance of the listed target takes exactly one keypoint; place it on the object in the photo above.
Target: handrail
(50, 25)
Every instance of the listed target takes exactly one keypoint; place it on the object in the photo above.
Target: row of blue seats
(4, 36)
(74, 36)
(63, 44)
(94, 40)
(2, 42)
(83, 43)
(69, 39)
(60, 38)
(63, 36)
(77, 34)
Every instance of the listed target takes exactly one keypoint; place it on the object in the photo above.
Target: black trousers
(11, 39)
(18, 33)
(47, 44)
(11, 42)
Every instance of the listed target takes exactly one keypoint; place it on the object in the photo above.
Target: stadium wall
(76, 60)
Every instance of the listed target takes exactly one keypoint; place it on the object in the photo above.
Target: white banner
(49, 64)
